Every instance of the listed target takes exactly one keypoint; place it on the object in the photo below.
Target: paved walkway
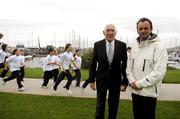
(33, 86)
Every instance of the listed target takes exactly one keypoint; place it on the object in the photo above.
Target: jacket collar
(150, 37)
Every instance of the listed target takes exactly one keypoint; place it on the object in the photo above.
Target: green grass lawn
(37, 73)
(172, 75)
(31, 72)
(19, 106)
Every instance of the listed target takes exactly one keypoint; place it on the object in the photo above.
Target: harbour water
(175, 65)
(37, 63)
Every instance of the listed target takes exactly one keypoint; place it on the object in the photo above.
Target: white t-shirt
(78, 62)
(3, 55)
(59, 56)
(23, 60)
(55, 59)
(46, 66)
(15, 62)
(66, 59)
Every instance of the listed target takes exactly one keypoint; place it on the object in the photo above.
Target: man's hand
(62, 68)
(133, 85)
(93, 86)
(123, 88)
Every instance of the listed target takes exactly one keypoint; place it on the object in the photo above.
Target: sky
(56, 22)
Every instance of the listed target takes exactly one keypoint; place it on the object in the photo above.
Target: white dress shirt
(112, 45)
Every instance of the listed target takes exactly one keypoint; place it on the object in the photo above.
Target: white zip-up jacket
(147, 64)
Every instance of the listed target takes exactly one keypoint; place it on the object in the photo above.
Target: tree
(86, 58)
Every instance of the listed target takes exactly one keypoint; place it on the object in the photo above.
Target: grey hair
(112, 25)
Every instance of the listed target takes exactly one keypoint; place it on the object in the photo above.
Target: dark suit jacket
(108, 75)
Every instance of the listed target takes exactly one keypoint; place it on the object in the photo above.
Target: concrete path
(33, 86)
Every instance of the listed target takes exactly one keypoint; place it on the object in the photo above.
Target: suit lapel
(115, 49)
(104, 50)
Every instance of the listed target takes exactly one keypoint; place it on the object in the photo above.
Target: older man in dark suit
(108, 67)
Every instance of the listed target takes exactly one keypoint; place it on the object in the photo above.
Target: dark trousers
(61, 77)
(143, 107)
(15, 74)
(113, 103)
(22, 73)
(77, 76)
(55, 74)
(47, 75)
(4, 72)
(86, 83)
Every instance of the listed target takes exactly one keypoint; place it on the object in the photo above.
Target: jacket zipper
(133, 64)
(144, 65)
(156, 89)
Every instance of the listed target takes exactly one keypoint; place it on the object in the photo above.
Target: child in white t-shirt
(15, 62)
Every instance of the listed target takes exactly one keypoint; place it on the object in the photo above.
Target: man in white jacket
(146, 68)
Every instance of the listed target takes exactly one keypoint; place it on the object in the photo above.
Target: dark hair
(77, 50)
(50, 50)
(74, 55)
(143, 19)
(128, 48)
(4, 47)
(14, 51)
(1, 35)
(67, 46)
